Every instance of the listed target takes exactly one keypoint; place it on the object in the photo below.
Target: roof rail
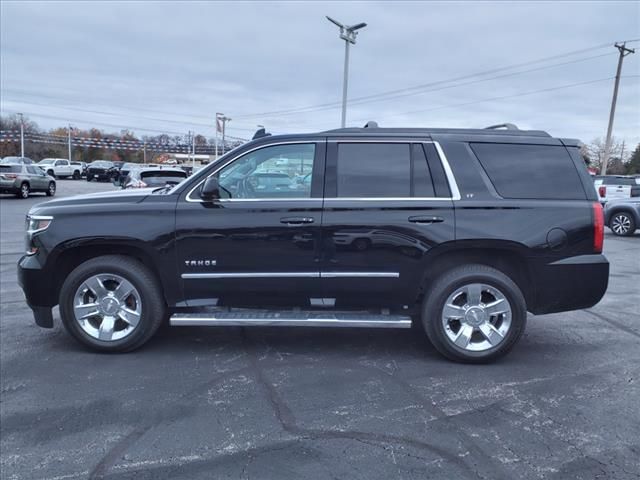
(508, 126)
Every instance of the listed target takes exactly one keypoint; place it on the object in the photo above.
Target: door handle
(426, 219)
(296, 220)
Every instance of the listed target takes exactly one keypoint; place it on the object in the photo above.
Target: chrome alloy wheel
(476, 317)
(620, 224)
(107, 307)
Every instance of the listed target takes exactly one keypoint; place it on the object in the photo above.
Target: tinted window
(374, 170)
(280, 171)
(530, 171)
(10, 169)
(619, 181)
(421, 184)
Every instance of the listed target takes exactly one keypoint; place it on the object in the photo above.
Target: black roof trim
(437, 131)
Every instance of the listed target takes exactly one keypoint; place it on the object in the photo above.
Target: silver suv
(21, 180)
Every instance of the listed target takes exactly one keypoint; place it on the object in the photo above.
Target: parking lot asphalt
(313, 403)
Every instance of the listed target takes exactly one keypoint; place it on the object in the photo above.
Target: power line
(102, 124)
(114, 114)
(522, 94)
(472, 82)
(426, 85)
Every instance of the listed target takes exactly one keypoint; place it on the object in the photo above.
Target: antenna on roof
(261, 132)
(507, 126)
(371, 124)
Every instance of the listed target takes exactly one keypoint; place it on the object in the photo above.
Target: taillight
(598, 227)
(602, 191)
(10, 175)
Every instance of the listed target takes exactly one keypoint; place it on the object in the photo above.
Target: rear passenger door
(37, 178)
(387, 204)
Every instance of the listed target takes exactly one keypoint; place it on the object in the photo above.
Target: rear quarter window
(530, 171)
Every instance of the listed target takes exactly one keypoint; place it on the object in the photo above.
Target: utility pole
(623, 52)
(21, 135)
(69, 140)
(348, 34)
(221, 126)
(144, 152)
(193, 150)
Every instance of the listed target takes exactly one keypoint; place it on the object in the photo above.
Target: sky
(168, 67)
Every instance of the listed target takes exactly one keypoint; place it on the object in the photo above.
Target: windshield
(101, 164)
(159, 178)
(46, 161)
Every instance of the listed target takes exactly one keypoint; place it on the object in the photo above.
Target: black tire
(76, 175)
(89, 178)
(51, 173)
(622, 224)
(24, 190)
(51, 189)
(153, 307)
(446, 285)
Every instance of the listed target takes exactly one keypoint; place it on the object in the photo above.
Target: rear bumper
(572, 283)
(38, 291)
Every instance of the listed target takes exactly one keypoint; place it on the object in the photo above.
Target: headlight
(35, 225)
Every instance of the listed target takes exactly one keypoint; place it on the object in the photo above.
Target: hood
(99, 198)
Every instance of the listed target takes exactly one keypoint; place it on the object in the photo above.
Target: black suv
(459, 231)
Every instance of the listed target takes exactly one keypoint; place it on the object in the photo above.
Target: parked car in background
(16, 160)
(614, 187)
(623, 216)
(60, 168)
(82, 166)
(100, 170)
(154, 177)
(22, 179)
(124, 171)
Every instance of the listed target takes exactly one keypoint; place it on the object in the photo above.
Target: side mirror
(211, 189)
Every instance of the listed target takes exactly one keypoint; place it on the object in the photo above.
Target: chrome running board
(265, 318)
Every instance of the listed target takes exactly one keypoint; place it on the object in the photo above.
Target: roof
(436, 131)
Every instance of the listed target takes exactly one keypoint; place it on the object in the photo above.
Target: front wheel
(474, 314)
(51, 173)
(622, 224)
(112, 303)
(89, 178)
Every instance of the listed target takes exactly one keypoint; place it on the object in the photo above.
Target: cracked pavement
(263, 403)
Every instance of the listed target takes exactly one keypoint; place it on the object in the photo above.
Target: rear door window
(530, 171)
(378, 170)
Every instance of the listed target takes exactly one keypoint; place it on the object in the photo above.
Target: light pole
(348, 34)
(21, 135)
(69, 141)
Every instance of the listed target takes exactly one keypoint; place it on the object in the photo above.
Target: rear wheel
(474, 314)
(112, 303)
(51, 189)
(622, 224)
(76, 175)
(24, 191)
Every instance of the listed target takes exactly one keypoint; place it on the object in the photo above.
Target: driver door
(259, 244)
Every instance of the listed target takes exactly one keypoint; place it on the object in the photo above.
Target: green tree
(633, 166)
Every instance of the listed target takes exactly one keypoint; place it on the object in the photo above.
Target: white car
(60, 168)
(611, 187)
